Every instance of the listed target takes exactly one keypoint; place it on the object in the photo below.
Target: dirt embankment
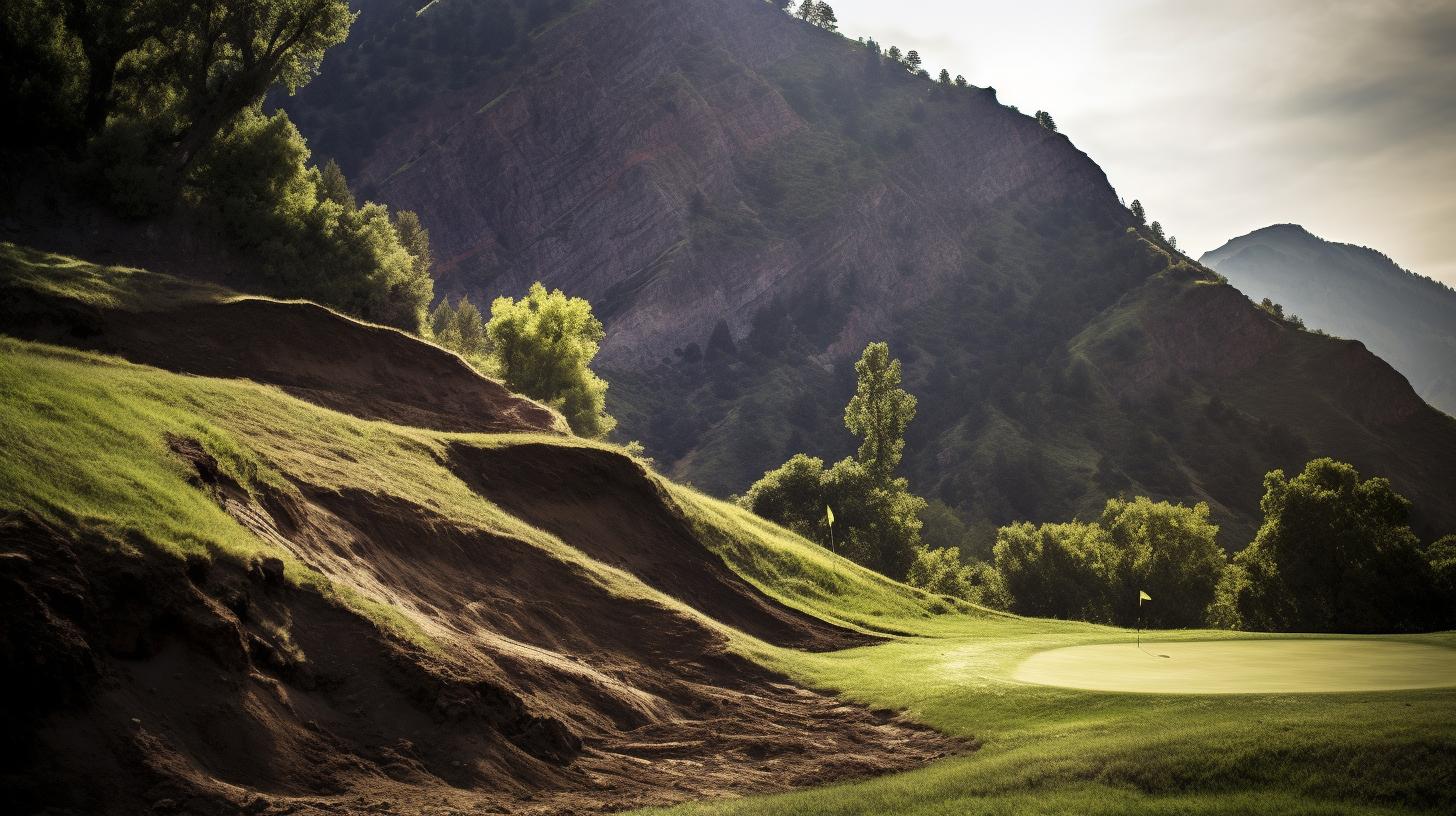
(154, 685)
(305, 349)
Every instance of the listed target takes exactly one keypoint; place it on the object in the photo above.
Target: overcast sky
(1228, 115)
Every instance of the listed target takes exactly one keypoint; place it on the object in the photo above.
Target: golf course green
(1279, 666)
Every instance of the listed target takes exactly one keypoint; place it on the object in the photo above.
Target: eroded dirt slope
(154, 685)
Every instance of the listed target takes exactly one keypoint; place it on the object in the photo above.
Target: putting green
(1243, 666)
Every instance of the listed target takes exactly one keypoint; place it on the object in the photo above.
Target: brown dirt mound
(608, 506)
(153, 685)
(305, 349)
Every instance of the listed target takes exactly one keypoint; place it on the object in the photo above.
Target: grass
(82, 442)
(1057, 750)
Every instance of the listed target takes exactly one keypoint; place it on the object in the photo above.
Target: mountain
(748, 199)
(1355, 292)
(233, 583)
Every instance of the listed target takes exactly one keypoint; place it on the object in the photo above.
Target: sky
(1230, 115)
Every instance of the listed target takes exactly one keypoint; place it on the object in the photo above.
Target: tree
(1169, 550)
(334, 187)
(877, 518)
(227, 55)
(416, 240)
(808, 11)
(1138, 213)
(1173, 242)
(542, 346)
(944, 78)
(893, 52)
(879, 411)
(1157, 230)
(1058, 570)
(825, 18)
(1335, 553)
(876, 525)
(912, 60)
(1045, 120)
(960, 81)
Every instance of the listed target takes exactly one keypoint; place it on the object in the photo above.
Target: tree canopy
(1335, 553)
(542, 345)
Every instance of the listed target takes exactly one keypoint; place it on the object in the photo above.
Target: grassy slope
(82, 442)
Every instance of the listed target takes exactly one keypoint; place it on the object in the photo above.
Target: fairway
(1243, 666)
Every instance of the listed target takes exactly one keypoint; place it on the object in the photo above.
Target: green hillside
(90, 445)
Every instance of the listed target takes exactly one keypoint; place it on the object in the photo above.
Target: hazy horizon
(1228, 117)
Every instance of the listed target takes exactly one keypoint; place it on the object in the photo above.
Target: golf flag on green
(829, 514)
(1143, 596)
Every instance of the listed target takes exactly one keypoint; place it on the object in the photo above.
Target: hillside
(1355, 292)
(747, 200)
(232, 584)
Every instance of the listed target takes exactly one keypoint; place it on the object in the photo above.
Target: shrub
(542, 345)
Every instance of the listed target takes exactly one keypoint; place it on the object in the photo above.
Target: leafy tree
(825, 18)
(912, 60)
(877, 518)
(1335, 553)
(1045, 120)
(875, 524)
(334, 187)
(1274, 309)
(227, 55)
(1138, 212)
(1168, 549)
(1058, 570)
(879, 411)
(258, 190)
(542, 346)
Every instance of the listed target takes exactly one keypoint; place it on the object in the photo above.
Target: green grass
(1055, 750)
(82, 443)
(110, 287)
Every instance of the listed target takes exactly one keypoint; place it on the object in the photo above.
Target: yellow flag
(829, 514)
(1143, 596)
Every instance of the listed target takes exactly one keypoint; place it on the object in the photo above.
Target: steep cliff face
(684, 163)
(1353, 292)
(747, 200)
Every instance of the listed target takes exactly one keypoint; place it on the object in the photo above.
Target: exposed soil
(610, 508)
(156, 685)
(308, 351)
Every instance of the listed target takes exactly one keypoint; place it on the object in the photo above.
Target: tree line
(1334, 552)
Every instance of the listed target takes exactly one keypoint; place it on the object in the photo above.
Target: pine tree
(334, 187)
(960, 81)
(893, 52)
(824, 17)
(944, 77)
(808, 11)
(1138, 212)
(912, 60)
(1045, 120)
(1157, 230)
